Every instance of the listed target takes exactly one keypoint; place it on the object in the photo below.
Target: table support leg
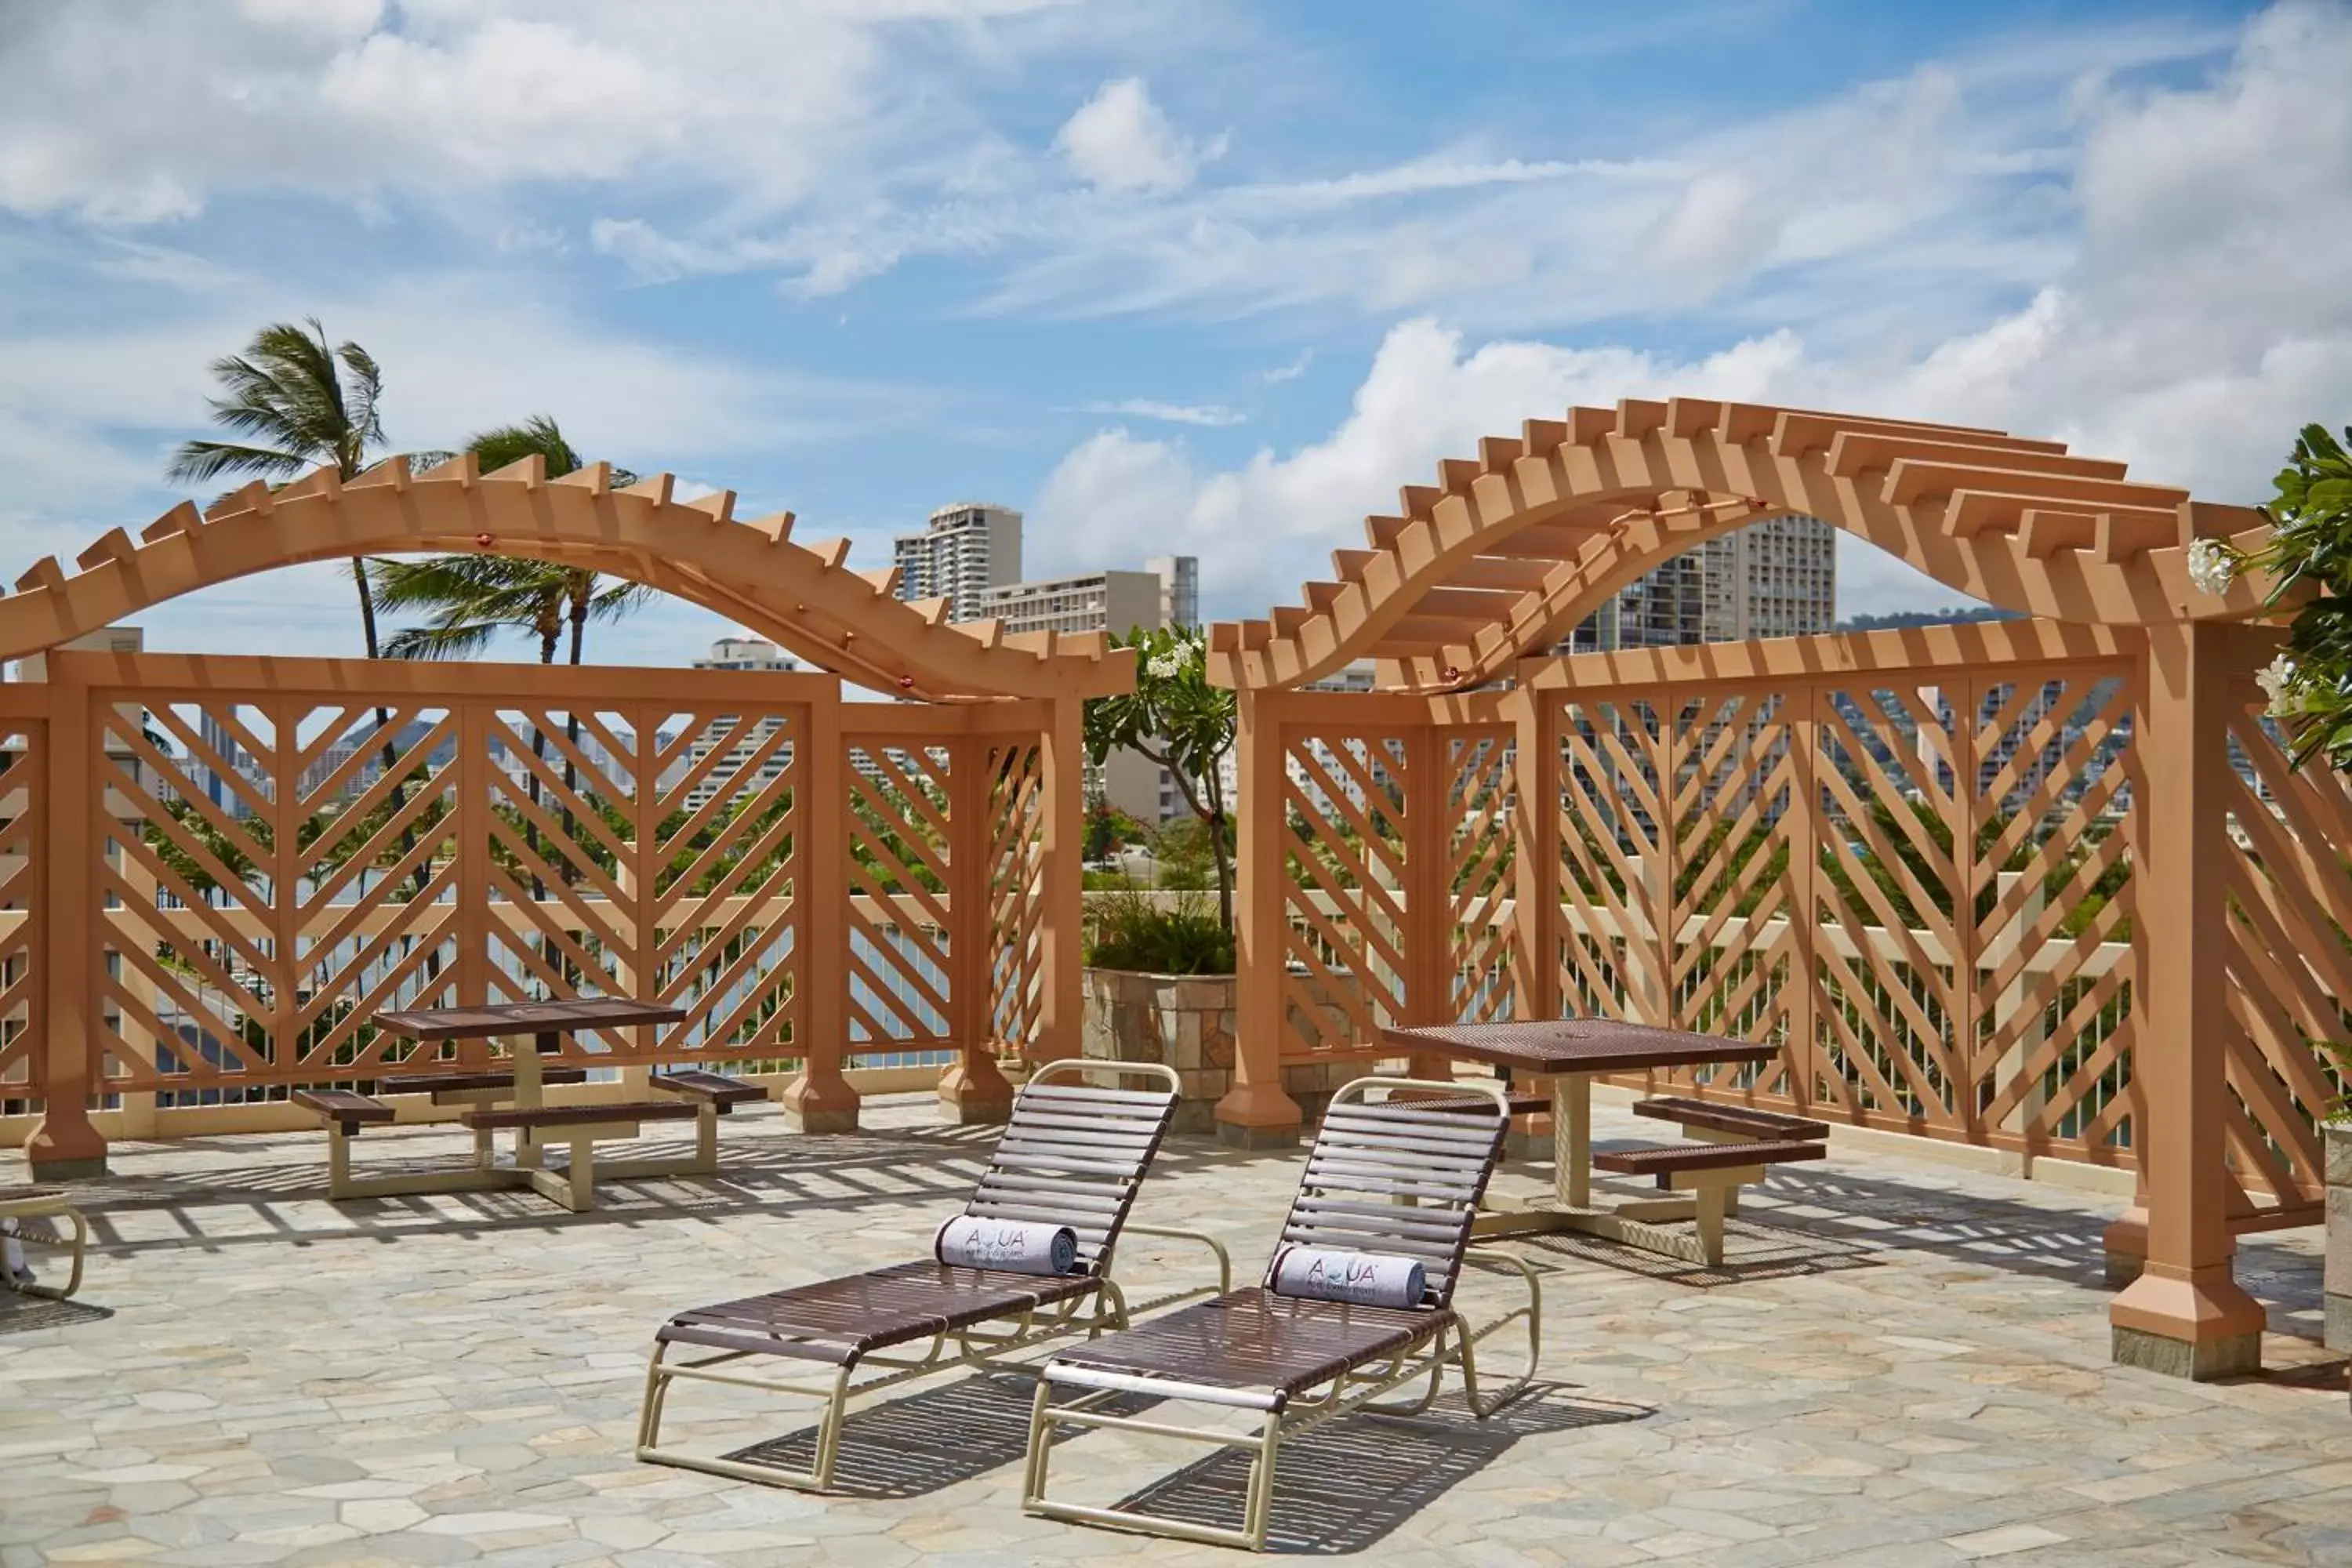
(1572, 1139)
(529, 1093)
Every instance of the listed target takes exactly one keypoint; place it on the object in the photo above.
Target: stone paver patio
(1901, 1364)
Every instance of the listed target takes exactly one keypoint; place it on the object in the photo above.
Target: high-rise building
(1180, 577)
(1118, 602)
(968, 548)
(1771, 579)
(742, 740)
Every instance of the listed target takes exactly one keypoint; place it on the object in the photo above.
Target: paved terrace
(1900, 1364)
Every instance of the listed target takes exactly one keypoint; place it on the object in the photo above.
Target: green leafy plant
(1175, 718)
(2309, 557)
(1130, 929)
(2340, 1054)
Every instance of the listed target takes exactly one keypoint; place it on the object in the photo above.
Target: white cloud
(2198, 323)
(1120, 141)
(1214, 415)
(1290, 372)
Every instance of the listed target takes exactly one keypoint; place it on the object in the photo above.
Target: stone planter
(1187, 1021)
(2340, 1236)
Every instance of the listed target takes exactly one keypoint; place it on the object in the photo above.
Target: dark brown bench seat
(345, 1109)
(1668, 1159)
(702, 1087)
(437, 1082)
(1743, 1120)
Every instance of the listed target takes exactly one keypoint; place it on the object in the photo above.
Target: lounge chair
(1072, 1155)
(20, 1203)
(1391, 1177)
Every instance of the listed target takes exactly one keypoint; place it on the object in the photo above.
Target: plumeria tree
(2310, 558)
(1176, 719)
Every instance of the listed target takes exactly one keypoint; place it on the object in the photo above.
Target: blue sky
(1209, 277)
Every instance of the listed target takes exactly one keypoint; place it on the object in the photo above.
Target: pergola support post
(819, 1098)
(64, 1145)
(1062, 1006)
(973, 1088)
(1256, 1112)
(2186, 1314)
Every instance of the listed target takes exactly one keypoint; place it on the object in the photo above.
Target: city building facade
(967, 548)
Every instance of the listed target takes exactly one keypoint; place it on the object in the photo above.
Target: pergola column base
(825, 1104)
(65, 1150)
(1258, 1116)
(2127, 1247)
(2199, 1325)
(973, 1093)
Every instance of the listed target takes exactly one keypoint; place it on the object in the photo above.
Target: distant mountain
(1903, 619)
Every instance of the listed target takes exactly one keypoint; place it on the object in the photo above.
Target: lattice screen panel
(1731, 757)
(900, 992)
(1347, 795)
(271, 881)
(2289, 957)
(1609, 807)
(23, 838)
(1479, 860)
(1016, 904)
(718, 835)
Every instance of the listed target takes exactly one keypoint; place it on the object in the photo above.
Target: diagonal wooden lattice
(2290, 968)
(1479, 855)
(1347, 798)
(1016, 902)
(1919, 886)
(1610, 809)
(1732, 760)
(276, 867)
(899, 873)
(23, 838)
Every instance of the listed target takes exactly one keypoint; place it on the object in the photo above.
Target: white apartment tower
(742, 742)
(1772, 579)
(1166, 593)
(968, 547)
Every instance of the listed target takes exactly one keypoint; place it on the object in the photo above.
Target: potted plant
(1160, 965)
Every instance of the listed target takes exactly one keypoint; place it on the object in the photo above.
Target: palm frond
(199, 461)
(536, 437)
(459, 641)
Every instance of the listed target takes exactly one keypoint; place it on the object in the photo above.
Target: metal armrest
(1224, 1264)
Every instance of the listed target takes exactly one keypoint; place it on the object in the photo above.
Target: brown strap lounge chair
(1073, 1155)
(1388, 1176)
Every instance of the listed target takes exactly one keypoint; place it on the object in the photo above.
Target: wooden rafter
(1507, 551)
(804, 596)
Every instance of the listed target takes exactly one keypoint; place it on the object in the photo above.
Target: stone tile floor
(1900, 1364)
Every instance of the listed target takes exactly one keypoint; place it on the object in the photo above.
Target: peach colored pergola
(2046, 885)
(215, 869)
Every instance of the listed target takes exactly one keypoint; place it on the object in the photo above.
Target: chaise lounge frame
(1070, 1155)
(47, 1203)
(1393, 1176)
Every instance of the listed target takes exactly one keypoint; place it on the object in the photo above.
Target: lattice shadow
(1752, 1252)
(1345, 1487)
(928, 1441)
(30, 1314)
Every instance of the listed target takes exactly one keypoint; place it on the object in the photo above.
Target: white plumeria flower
(2277, 679)
(2212, 565)
(1167, 666)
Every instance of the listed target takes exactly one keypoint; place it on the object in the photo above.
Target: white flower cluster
(2277, 679)
(2212, 565)
(1171, 662)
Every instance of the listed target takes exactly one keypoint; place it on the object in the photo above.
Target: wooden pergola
(2047, 886)
(215, 869)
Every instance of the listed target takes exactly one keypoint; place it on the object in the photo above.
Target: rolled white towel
(12, 1255)
(1020, 1246)
(1367, 1279)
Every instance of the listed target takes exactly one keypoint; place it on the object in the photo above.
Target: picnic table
(1559, 1058)
(511, 1097)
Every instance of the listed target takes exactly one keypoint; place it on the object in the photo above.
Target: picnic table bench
(1723, 1147)
(511, 1100)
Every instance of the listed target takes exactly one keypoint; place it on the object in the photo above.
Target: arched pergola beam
(1594, 501)
(803, 595)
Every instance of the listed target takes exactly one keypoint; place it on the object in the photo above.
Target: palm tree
(467, 600)
(288, 395)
